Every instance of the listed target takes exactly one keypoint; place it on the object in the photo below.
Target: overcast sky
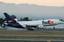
(33, 10)
(37, 2)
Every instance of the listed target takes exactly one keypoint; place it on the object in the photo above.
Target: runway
(31, 36)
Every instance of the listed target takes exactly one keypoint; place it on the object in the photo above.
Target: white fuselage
(31, 23)
(41, 22)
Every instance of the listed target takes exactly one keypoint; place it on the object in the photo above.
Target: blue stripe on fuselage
(14, 24)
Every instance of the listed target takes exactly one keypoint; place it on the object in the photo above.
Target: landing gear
(44, 28)
(54, 28)
(30, 28)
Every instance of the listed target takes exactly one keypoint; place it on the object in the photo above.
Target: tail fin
(6, 15)
(12, 21)
(9, 18)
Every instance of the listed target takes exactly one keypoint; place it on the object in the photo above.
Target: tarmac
(31, 36)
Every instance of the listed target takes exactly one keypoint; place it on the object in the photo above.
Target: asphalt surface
(31, 36)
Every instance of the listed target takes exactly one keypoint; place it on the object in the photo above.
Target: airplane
(13, 22)
(30, 25)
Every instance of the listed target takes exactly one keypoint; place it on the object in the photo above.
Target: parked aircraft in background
(13, 22)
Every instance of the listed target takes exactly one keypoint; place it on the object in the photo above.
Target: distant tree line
(1, 21)
(25, 19)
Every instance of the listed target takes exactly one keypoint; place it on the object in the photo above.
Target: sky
(37, 10)
(37, 2)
